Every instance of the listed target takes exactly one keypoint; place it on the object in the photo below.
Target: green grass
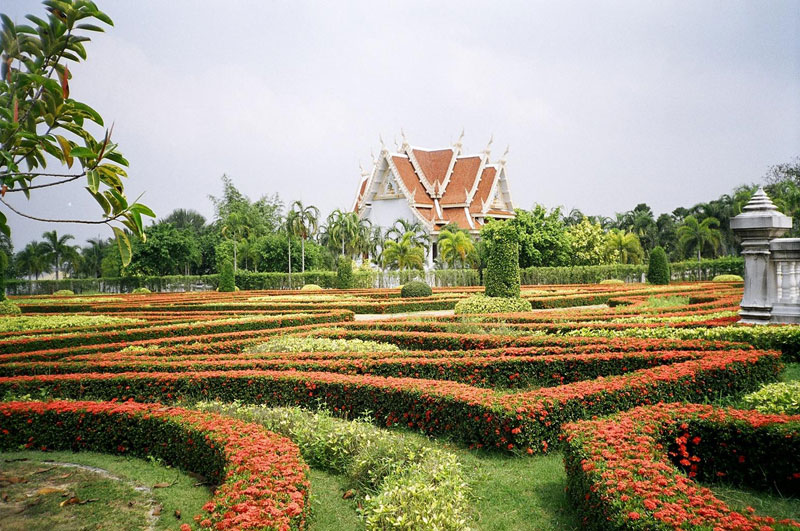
(669, 301)
(765, 503)
(118, 505)
(514, 493)
(329, 511)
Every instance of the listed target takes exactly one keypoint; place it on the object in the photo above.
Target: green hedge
(502, 268)
(480, 304)
(416, 288)
(658, 267)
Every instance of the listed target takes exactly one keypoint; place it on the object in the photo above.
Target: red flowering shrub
(635, 470)
(262, 479)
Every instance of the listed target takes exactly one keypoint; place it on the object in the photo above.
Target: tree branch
(82, 221)
(63, 181)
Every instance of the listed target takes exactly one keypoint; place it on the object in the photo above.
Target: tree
(40, 123)
(402, 226)
(186, 219)
(542, 237)
(456, 247)
(404, 253)
(348, 232)
(304, 225)
(235, 227)
(92, 257)
(32, 260)
(658, 267)
(624, 247)
(56, 248)
(502, 268)
(166, 251)
(694, 235)
(587, 243)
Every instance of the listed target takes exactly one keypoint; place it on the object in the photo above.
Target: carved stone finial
(505, 154)
(364, 172)
(488, 148)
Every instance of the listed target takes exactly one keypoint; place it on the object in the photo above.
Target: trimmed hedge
(629, 471)
(344, 273)
(263, 480)
(658, 267)
(414, 289)
(782, 398)
(227, 281)
(481, 304)
(727, 278)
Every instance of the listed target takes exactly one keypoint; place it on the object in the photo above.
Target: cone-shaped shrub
(658, 268)
(502, 268)
(344, 273)
(227, 281)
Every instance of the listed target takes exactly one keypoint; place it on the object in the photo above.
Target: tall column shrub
(502, 265)
(344, 273)
(658, 267)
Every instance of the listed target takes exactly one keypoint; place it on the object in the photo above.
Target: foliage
(227, 280)
(727, 278)
(415, 288)
(482, 304)
(166, 251)
(344, 273)
(141, 291)
(502, 278)
(56, 322)
(404, 253)
(699, 235)
(780, 398)
(303, 223)
(8, 307)
(3, 268)
(541, 236)
(457, 248)
(623, 247)
(64, 293)
(37, 113)
(311, 287)
(321, 344)
(658, 267)
(347, 234)
(408, 484)
(56, 250)
(32, 260)
(587, 243)
(615, 281)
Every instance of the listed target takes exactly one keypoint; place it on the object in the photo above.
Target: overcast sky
(603, 104)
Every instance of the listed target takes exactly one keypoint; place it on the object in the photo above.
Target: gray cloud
(604, 105)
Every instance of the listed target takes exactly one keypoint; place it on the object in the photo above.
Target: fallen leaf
(157, 510)
(64, 476)
(162, 485)
(177, 514)
(12, 479)
(70, 501)
(48, 490)
(41, 470)
(348, 494)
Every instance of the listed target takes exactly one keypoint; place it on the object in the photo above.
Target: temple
(434, 187)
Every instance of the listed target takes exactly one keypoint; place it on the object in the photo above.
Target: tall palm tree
(624, 246)
(346, 230)
(698, 235)
(404, 253)
(32, 260)
(235, 227)
(92, 256)
(304, 225)
(402, 226)
(186, 219)
(291, 222)
(455, 246)
(57, 249)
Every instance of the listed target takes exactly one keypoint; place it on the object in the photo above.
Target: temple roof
(440, 185)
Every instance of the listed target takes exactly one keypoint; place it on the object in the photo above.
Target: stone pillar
(785, 259)
(759, 223)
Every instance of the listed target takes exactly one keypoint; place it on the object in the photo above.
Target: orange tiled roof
(443, 174)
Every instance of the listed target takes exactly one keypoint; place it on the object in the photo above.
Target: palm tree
(404, 253)
(624, 246)
(186, 219)
(401, 227)
(346, 230)
(56, 249)
(698, 235)
(291, 222)
(304, 225)
(235, 227)
(455, 246)
(92, 256)
(32, 260)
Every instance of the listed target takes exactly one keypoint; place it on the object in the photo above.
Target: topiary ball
(9, 308)
(141, 291)
(658, 267)
(415, 288)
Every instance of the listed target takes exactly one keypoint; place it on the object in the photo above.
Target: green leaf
(4, 228)
(94, 181)
(124, 245)
(142, 209)
(102, 201)
(89, 27)
(82, 152)
(66, 148)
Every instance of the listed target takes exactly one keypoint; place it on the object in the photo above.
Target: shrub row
(526, 421)
(634, 471)
(262, 480)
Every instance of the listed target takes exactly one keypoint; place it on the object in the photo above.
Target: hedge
(629, 472)
(263, 480)
(527, 421)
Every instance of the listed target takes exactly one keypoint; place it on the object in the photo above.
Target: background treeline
(268, 236)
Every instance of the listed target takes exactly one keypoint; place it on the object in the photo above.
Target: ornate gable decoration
(441, 186)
